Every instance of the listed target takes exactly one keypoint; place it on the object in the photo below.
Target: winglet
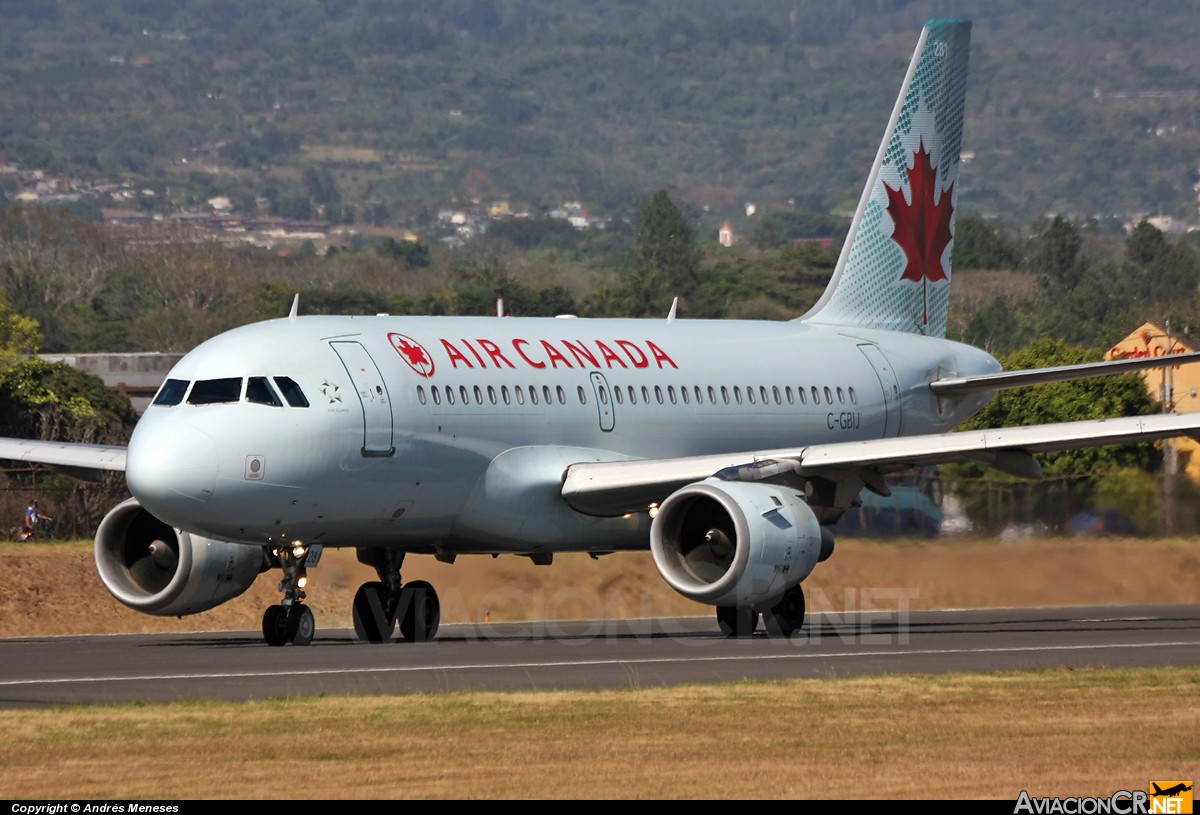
(295, 307)
(671, 313)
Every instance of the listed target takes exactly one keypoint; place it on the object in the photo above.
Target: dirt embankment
(53, 588)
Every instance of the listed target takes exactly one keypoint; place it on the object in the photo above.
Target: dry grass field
(53, 588)
(960, 737)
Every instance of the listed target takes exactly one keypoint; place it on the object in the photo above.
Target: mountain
(385, 112)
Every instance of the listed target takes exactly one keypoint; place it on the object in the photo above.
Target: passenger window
(618, 395)
(699, 396)
(260, 392)
(171, 393)
(603, 391)
(853, 395)
(737, 394)
(645, 394)
(712, 395)
(492, 394)
(750, 394)
(215, 391)
(478, 396)
(803, 395)
(791, 397)
(582, 394)
(449, 394)
(725, 394)
(562, 395)
(687, 399)
(519, 392)
(828, 396)
(291, 391)
(421, 394)
(504, 394)
(546, 397)
(816, 395)
(463, 395)
(533, 395)
(841, 396)
(775, 393)
(437, 395)
(632, 395)
(658, 394)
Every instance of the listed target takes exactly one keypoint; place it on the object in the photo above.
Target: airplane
(1170, 791)
(726, 448)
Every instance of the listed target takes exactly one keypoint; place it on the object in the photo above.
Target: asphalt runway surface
(544, 656)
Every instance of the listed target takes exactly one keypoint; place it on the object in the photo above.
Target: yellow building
(1177, 386)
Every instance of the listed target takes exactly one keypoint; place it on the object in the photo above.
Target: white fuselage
(405, 416)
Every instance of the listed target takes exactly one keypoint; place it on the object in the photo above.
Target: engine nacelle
(734, 543)
(155, 569)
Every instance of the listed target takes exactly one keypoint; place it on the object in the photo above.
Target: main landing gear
(781, 620)
(380, 605)
(291, 620)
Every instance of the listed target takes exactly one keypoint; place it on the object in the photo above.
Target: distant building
(137, 375)
(725, 235)
(1176, 387)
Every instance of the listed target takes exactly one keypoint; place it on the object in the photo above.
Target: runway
(159, 668)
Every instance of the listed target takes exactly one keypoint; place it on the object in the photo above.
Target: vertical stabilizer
(894, 270)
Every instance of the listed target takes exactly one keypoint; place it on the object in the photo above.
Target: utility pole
(1170, 460)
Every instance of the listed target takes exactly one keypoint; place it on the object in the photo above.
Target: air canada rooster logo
(413, 353)
(922, 227)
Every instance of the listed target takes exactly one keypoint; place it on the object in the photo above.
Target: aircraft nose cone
(171, 469)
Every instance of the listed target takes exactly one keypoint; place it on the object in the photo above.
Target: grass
(1055, 733)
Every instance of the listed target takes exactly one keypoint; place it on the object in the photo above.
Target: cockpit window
(291, 391)
(171, 393)
(213, 391)
(260, 392)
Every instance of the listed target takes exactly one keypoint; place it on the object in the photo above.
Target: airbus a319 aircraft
(728, 448)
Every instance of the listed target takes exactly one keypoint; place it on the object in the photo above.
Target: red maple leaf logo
(413, 353)
(922, 227)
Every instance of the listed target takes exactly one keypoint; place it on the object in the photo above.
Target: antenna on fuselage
(295, 307)
(671, 313)
(500, 307)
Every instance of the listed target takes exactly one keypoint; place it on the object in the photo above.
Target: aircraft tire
(300, 625)
(373, 620)
(737, 621)
(275, 625)
(420, 612)
(787, 616)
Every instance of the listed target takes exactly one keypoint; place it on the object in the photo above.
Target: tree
(665, 261)
(1096, 398)
(1058, 258)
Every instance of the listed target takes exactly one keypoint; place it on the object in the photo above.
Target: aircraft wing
(84, 461)
(618, 487)
(1061, 373)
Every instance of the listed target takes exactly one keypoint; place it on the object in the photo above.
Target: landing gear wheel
(300, 625)
(787, 616)
(275, 625)
(374, 616)
(737, 621)
(419, 611)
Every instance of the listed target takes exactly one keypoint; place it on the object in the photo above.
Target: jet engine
(733, 543)
(155, 569)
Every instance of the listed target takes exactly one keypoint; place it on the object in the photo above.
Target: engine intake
(732, 543)
(156, 569)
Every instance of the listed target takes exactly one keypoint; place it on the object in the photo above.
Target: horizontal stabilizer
(1062, 373)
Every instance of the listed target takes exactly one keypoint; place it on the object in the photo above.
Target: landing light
(298, 551)
(302, 582)
(652, 509)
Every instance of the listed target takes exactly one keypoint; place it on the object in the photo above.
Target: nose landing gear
(291, 620)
